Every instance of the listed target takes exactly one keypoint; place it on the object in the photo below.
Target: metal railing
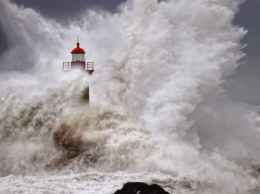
(66, 66)
(89, 66)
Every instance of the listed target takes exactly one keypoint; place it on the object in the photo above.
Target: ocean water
(158, 109)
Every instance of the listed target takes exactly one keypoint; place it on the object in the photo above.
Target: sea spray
(157, 102)
(105, 140)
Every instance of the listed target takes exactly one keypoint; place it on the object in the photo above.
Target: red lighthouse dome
(78, 54)
(78, 50)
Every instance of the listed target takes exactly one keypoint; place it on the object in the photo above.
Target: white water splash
(157, 102)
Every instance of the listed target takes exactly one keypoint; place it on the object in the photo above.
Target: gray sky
(61, 10)
(249, 18)
(65, 9)
(246, 83)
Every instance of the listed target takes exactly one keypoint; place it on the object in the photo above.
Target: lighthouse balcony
(87, 66)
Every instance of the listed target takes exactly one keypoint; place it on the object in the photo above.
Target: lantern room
(78, 54)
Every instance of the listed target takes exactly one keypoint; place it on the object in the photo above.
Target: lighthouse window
(78, 57)
(82, 57)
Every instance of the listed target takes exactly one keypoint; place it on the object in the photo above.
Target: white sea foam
(157, 101)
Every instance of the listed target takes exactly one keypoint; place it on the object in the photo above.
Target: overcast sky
(65, 9)
(248, 17)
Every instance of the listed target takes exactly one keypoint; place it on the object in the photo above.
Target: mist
(158, 102)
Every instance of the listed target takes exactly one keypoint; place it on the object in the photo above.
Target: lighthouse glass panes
(78, 57)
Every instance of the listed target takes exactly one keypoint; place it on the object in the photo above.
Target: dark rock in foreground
(141, 188)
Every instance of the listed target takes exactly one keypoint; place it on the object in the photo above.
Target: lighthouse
(78, 61)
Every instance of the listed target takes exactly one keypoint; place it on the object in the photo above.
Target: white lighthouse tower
(78, 62)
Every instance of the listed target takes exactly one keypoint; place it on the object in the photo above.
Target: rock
(141, 188)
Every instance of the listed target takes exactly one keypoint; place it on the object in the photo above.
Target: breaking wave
(157, 103)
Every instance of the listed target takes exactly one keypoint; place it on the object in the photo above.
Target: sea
(159, 111)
